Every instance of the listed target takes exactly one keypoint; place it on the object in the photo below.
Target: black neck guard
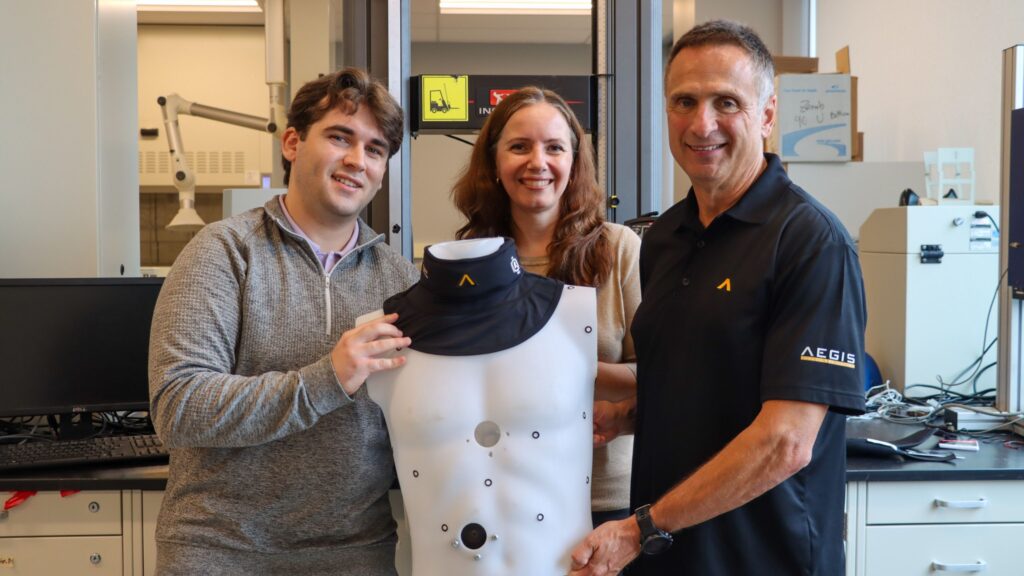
(474, 306)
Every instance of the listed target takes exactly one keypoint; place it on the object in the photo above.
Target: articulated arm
(171, 106)
(184, 179)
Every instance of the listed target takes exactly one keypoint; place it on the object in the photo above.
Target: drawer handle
(963, 504)
(979, 566)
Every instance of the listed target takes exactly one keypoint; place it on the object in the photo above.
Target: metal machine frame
(1011, 313)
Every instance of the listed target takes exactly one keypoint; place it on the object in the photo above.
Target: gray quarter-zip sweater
(274, 468)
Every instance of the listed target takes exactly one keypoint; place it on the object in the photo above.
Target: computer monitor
(71, 347)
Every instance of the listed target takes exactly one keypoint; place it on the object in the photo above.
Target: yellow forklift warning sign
(444, 98)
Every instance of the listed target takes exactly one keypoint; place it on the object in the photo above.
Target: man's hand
(612, 419)
(608, 549)
(355, 355)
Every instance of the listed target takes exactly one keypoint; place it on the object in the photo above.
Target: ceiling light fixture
(198, 4)
(563, 7)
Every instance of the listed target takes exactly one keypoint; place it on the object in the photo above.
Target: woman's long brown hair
(579, 251)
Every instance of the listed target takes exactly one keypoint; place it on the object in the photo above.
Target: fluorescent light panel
(564, 7)
(199, 3)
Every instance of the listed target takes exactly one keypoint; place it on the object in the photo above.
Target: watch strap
(653, 540)
(646, 523)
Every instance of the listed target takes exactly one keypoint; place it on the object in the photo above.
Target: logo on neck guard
(515, 266)
(465, 279)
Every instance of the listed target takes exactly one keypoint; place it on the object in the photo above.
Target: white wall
(930, 75)
(438, 160)
(853, 190)
(69, 193)
(764, 16)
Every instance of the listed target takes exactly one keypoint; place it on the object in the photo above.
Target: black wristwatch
(653, 540)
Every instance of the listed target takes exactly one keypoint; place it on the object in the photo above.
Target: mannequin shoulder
(369, 316)
(578, 299)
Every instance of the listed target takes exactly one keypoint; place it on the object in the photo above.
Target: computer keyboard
(145, 448)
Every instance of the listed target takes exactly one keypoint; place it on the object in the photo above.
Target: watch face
(656, 544)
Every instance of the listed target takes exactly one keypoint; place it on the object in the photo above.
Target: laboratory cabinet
(71, 533)
(151, 500)
(92, 555)
(903, 518)
(934, 527)
(926, 528)
(88, 532)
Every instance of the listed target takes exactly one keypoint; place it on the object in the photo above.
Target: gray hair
(727, 32)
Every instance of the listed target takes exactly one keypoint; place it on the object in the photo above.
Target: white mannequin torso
(493, 451)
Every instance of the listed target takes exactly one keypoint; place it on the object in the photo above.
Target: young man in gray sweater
(280, 463)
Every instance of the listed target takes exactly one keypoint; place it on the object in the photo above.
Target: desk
(87, 478)
(926, 518)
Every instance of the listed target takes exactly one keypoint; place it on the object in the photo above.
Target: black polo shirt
(766, 303)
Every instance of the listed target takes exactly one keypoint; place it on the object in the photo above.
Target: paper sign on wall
(813, 118)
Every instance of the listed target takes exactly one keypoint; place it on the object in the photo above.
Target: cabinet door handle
(979, 503)
(979, 566)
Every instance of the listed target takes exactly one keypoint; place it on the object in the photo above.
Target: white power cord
(888, 404)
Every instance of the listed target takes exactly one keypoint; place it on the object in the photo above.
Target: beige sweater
(617, 300)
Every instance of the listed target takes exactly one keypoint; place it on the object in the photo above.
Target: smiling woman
(531, 177)
(533, 160)
(530, 139)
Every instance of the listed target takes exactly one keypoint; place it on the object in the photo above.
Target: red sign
(498, 95)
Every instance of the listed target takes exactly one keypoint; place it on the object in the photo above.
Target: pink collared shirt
(328, 259)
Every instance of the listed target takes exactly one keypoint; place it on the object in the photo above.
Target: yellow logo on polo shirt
(466, 278)
(726, 285)
(829, 356)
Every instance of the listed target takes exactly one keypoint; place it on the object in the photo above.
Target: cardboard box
(795, 65)
(857, 151)
(843, 60)
(843, 67)
(814, 121)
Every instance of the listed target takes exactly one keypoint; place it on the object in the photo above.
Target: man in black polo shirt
(749, 340)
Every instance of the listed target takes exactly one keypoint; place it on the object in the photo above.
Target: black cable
(463, 140)
(103, 423)
(984, 338)
(122, 423)
(19, 438)
(10, 427)
(943, 391)
(974, 381)
(977, 361)
(983, 214)
(129, 422)
(946, 396)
